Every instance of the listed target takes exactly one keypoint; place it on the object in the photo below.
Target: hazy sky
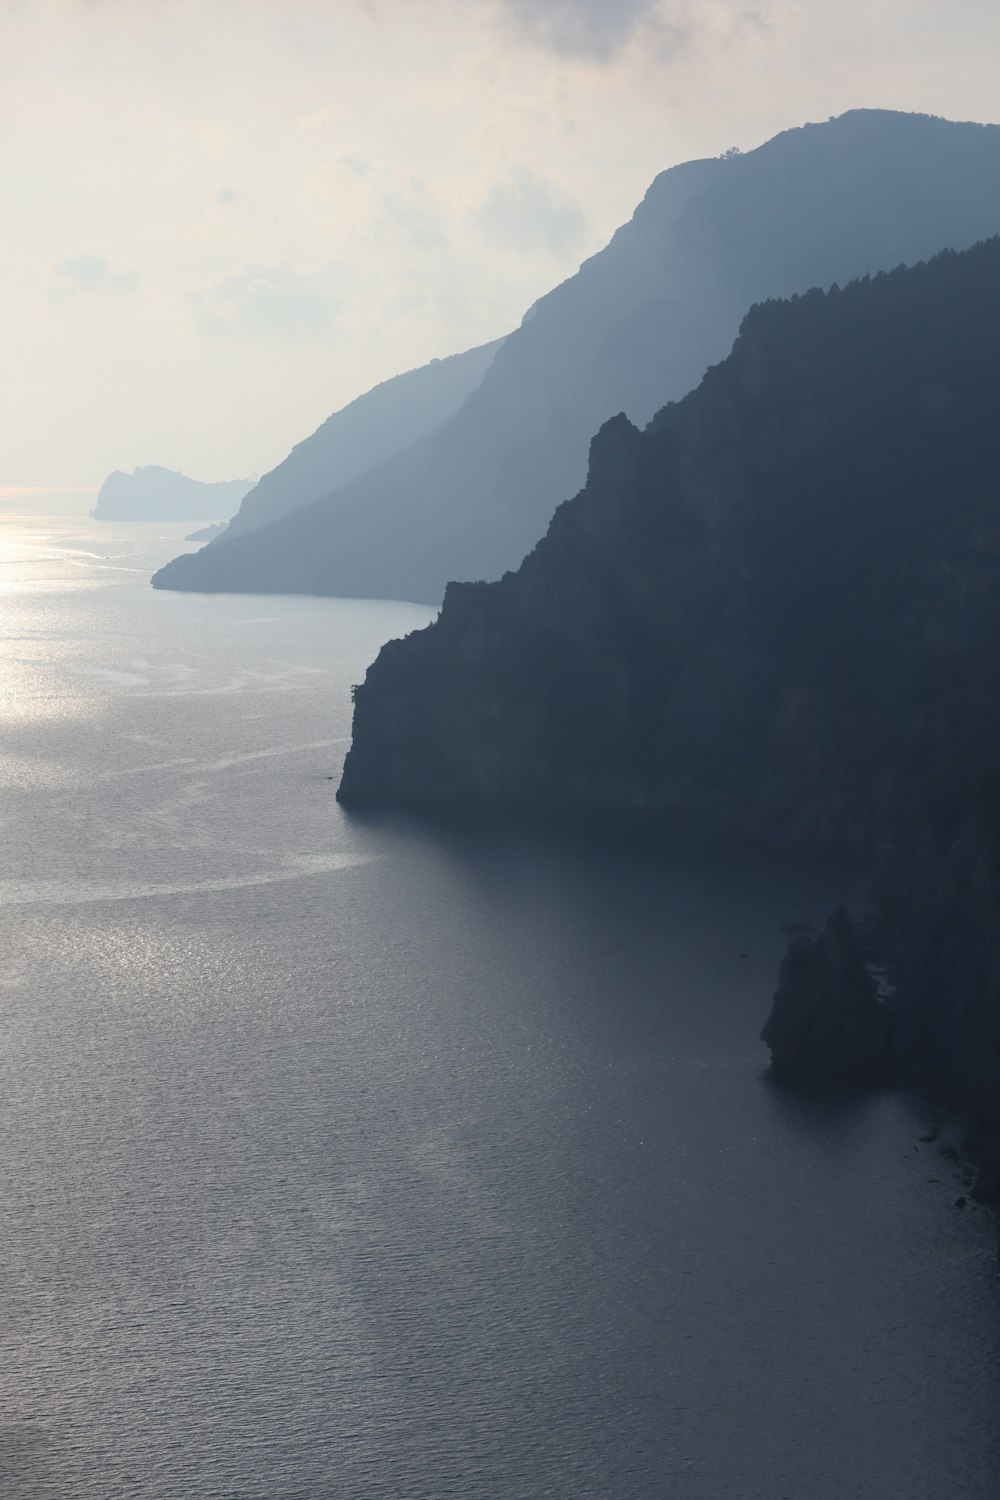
(222, 219)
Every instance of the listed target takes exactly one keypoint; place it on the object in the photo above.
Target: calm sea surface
(347, 1159)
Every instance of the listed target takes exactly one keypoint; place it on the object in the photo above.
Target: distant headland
(152, 493)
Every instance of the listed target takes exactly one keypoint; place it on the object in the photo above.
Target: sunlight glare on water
(358, 1158)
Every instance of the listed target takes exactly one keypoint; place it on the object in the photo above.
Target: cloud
(274, 301)
(228, 195)
(596, 29)
(356, 163)
(530, 213)
(89, 272)
(410, 215)
(599, 30)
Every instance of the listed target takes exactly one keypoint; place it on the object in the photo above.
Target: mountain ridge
(154, 493)
(637, 325)
(695, 522)
(358, 436)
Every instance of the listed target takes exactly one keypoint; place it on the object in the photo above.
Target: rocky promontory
(776, 608)
(777, 611)
(827, 1024)
(207, 533)
(152, 493)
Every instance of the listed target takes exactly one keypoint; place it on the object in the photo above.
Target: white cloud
(356, 163)
(353, 187)
(411, 214)
(604, 31)
(89, 272)
(591, 28)
(529, 213)
(273, 301)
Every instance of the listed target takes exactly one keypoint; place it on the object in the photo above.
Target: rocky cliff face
(778, 608)
(827, 1024)
(936, 897)
(637, 326)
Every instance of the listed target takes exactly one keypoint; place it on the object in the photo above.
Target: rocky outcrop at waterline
(776, 610)
(827, 1024)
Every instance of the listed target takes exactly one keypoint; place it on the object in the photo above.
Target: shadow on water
(645, 835)
(824, 1117)
(635, 845)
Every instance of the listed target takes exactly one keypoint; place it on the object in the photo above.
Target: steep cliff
(777, 607)
(153, 493)
(636, 326)
(934, 929)
(936, 899)
(827, 1024)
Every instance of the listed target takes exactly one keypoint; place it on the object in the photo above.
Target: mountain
(155, 494)
(367, 430)
(207, 533)
(776, 610)
(636, 326)
(777, 606)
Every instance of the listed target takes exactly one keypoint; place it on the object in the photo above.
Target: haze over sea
(367, 1159)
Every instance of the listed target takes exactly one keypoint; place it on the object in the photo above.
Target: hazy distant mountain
(155, 494)
(637, 325)
(207, 533)
(373, 427)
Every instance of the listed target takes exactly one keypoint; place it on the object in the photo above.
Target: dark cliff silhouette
(372, 428)
(636, 326)
(776, 604)
(827, 1024)
(152, 493)
(777, 609)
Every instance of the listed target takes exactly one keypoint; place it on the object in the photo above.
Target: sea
(378, 1159)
